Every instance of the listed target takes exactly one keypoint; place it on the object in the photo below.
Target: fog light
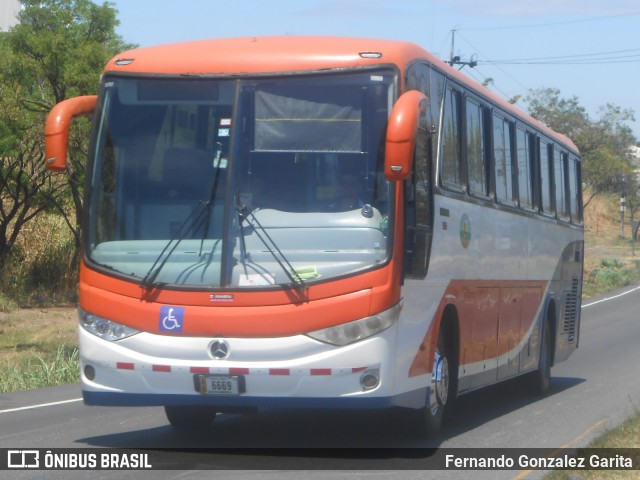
(89, 372)
(370, 379)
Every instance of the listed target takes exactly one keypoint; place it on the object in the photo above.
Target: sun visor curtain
(308, 119)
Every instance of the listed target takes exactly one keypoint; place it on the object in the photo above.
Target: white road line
(611, 298)
(42, 405)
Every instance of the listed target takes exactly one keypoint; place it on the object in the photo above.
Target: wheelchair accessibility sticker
(171, 319)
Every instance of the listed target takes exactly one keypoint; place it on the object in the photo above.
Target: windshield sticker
(307, 273)
(220, 163)
(221, 298)
(256, 279)
(171, 319)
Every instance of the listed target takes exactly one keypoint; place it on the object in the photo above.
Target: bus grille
(571, 311)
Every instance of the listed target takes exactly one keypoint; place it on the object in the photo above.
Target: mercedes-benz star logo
(219, 349)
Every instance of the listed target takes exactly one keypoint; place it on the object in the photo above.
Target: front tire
(441, 390)
(190, 418)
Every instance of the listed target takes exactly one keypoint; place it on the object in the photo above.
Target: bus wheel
(440, 387)
(193, 417)
(541, 378)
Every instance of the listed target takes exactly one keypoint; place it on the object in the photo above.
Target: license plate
(221, 385)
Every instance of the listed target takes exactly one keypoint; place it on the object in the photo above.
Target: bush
(611, 263)
(613, 274)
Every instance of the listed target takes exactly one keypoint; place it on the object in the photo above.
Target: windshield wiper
(296, 280)
(149, 281)
(189, 223)
(217, 159)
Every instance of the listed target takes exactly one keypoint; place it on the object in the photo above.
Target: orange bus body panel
(503, 314)
(263, 55)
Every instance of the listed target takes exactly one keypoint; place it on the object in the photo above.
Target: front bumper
(148, 369)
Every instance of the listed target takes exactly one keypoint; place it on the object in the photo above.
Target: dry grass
(610, 261)
(602, 233)
(36, 331)
(41, 267)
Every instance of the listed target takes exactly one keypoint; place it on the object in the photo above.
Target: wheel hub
(439, 384)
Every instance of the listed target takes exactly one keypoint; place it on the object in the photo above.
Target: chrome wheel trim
(439, 391)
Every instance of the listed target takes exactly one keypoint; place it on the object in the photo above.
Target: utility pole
(623, 207)
(455, 59)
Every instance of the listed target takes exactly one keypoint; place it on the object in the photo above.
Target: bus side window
(451, 159)
(476, 156)
(525, 173)
(561, 168)
(546, 178)
(503, 160)
(575, 182)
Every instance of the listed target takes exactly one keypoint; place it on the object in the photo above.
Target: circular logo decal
(465, 230)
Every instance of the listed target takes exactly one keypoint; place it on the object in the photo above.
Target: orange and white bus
(316, 222)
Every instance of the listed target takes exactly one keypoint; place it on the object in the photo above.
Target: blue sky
(600, 37)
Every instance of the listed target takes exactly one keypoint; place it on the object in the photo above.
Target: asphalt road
(595, 389)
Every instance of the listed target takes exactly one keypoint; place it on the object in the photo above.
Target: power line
(514, 79)
(480, 77)
(577, 55)
(597, 58)
(630, 55)
(549, 24)
(631, 59)
(613, 56)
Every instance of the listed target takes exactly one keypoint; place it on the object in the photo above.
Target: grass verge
(39, 371)
(38, 348)
(625, 436)
(609, 275)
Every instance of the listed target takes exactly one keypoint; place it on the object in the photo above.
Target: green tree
(24, 183)
(604, 143)
(607, 172)
(565, 116)
(57, 51)
(61, 47)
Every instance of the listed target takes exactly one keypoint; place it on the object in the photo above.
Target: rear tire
(541, 378)
(190, 418)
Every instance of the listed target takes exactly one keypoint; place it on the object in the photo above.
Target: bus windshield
(240, 183)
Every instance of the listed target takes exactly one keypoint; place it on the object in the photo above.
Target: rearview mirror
(401, 134)
(56, 132)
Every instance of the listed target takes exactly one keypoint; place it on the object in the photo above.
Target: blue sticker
(171, 319)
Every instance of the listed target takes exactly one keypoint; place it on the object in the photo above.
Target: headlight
(360, 329)
(103, 328)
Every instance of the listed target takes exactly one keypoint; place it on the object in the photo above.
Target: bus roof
(264, 55)
(275, 55)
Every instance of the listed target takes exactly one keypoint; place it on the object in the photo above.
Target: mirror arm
(56, 131)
